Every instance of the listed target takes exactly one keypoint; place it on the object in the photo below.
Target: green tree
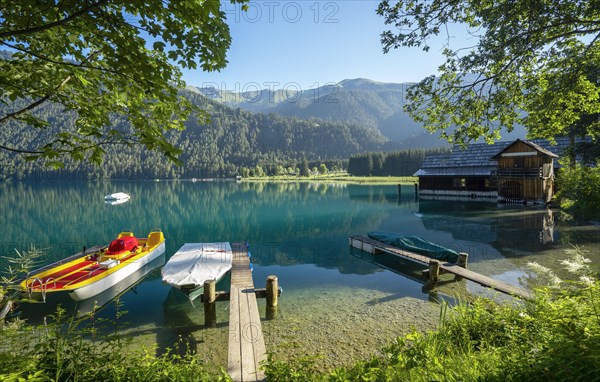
(105, 57)
(323, 169)
(279, 170)
(304, 169)
(361, 165)
(245, 172)
(532, 63)
(578, 190)
(258, 171)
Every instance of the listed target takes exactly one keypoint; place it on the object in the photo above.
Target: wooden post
(434, 270)
(272, 291)
(416, 191)
(400, 190)
(463, 258)
(432, 293)
(271, 312)
(210, 305)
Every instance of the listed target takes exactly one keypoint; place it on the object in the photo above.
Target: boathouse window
(460, 183)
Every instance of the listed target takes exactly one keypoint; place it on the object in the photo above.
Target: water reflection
(297, 231)
(327, 254)
(510, 230)
(64, 217)
(290, 223)
(447, 288)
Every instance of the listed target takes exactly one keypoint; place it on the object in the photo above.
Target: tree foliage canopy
(535, 63)
(105, 57)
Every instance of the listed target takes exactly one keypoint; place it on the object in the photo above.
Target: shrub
(579, 190)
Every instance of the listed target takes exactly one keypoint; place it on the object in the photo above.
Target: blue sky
(306, 44)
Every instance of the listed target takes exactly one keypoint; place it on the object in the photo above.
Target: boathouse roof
(531, 144)
(477, 159)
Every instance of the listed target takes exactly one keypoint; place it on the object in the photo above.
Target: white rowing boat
(116, 198)
(195, 263)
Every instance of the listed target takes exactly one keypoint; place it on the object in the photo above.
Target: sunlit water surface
(338, 303)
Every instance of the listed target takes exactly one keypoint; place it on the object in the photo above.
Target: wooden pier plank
(255, 350)
(234, 357)
(486, 281)
(246, 349)
(382, 247)
(367, 244)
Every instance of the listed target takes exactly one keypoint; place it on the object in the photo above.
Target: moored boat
(195, 263)
(90, 272)
(415, 244)
(117, 197)
(100, 300)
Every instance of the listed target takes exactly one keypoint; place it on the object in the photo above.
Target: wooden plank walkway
(376, 247)
(246, 348)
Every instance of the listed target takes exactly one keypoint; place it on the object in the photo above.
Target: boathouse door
(511, 189)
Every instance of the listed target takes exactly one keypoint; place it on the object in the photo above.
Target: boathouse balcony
(544, 172)
(518, 172)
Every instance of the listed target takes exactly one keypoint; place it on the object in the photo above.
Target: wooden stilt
(272, 291)
(210, 305)
(463, 258)
(271, 312)
(434, 270)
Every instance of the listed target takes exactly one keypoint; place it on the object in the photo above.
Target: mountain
(368, 103)
(235, 138)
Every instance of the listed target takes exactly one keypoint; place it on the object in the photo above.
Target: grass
(555, 337)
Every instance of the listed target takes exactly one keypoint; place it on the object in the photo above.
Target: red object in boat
(123, 244)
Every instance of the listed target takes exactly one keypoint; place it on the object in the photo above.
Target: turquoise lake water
(337, 302)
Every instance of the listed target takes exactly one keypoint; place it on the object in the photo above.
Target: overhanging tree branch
(127, 79)
(533, 64)
(81, 65)
(41, 28)
(35, 104)
(6, 148)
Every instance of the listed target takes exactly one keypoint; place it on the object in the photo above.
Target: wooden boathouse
(525, 173)
(518, 171)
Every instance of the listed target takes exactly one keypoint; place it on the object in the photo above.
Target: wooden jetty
(246, 343)
(436, 267)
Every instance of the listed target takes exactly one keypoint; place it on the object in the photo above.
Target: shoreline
(348, 179)
(385, 180)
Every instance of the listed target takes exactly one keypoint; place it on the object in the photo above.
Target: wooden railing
(519, 172)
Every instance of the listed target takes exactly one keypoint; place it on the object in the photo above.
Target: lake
(337, 303)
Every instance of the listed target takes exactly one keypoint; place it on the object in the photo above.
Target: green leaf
(55, 164)
(159, 45)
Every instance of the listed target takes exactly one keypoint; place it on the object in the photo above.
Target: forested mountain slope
(362, 101)
(234, 138)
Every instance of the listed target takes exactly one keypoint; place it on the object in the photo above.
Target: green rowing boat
(415, 244)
